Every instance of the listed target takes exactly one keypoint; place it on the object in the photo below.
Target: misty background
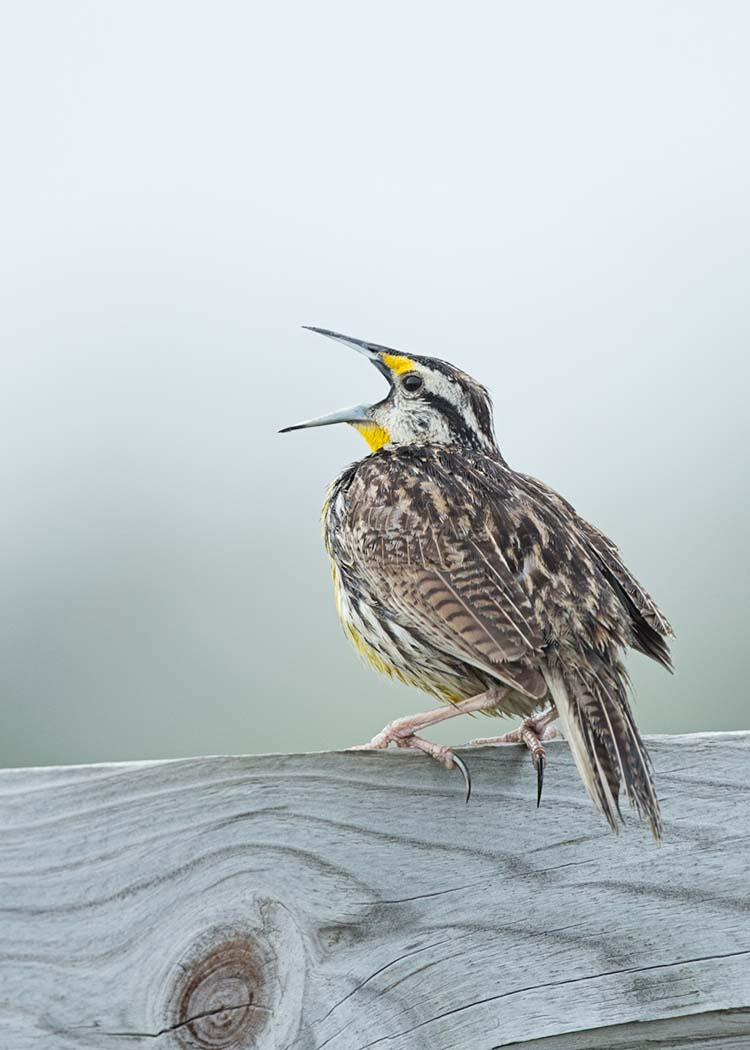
(553, 196)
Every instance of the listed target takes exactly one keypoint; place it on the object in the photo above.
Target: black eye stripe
(477, 434)
(477, 396)
(450, 413)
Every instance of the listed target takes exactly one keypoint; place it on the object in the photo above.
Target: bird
(482, 586)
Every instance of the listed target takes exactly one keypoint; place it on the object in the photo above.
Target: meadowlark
(482, 586)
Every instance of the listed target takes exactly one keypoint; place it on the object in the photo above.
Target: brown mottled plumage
(458, 574)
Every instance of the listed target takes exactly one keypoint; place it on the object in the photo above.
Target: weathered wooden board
(352, 900)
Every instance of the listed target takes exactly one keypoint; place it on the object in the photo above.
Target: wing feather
(650, 627)
(609, 555)
(455, 586)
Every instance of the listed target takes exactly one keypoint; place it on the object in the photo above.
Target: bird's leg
(403, 732)
(531, 732)
(541, 727)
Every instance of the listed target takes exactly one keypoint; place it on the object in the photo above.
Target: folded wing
(458, 589)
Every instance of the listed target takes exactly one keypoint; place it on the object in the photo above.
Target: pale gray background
(553, 195)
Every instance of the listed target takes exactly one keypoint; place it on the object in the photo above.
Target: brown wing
(649, 625)
(641, 600)
(456, 590)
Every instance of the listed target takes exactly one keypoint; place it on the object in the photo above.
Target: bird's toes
(447, 758)
(444, 755)
(378, 743)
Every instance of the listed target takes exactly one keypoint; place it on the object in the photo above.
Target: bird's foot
(531, 733)
(401, 733)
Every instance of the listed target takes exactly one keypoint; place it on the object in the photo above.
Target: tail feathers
(598, 724)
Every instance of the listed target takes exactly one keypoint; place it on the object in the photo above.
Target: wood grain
(352, 900)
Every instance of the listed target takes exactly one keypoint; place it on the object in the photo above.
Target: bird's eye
(412, 382)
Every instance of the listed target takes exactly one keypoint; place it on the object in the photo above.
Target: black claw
(465, 774)
(539, 761)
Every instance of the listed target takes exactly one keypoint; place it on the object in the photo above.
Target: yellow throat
(374, 435)
(377, 436)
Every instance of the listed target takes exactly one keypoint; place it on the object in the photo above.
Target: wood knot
(220, 1004)
(237, 983)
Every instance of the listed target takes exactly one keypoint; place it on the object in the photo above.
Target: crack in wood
(372, 976)
(190, 1020)
(548, 984)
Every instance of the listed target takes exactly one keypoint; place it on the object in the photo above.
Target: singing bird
(455, 573)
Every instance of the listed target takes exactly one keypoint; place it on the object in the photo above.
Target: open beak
(358, 413)
(371, 351)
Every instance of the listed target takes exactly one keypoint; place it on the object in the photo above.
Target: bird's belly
(395, 650)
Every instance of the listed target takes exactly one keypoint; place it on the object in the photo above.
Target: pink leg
(403, 732)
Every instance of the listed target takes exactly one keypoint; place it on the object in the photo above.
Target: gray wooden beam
(352, 900)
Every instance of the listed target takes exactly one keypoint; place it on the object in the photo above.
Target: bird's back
(430, 507)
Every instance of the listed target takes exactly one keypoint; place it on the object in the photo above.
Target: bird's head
(429, 402)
